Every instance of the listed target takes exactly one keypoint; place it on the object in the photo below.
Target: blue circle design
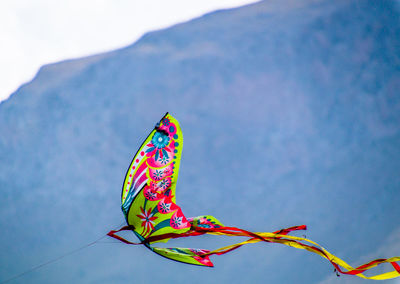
(160, 140)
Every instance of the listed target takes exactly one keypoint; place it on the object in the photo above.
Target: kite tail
(201, 257)
(281, 237)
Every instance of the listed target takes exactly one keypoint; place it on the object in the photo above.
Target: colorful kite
(148, 202)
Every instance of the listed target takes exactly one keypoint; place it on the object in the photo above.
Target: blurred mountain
(291, 115)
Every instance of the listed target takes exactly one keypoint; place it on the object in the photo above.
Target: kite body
(150, 209)
(148, 195)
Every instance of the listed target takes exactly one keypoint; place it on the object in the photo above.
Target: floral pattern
(148, 219)
(159, 148)
(165, 121)
(157, 175)
(153, 210)
(150, 194)
(164, 207)
(176, 221)
(160, 140)
(158, 208)
(165, 183)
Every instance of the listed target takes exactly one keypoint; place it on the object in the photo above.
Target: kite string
(52, 260)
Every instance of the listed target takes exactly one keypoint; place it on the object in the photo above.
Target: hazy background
(290, 113)
(34, 33)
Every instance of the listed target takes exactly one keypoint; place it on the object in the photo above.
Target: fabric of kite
(148, 202)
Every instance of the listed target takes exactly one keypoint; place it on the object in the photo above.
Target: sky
(301, 128)
(34, 33)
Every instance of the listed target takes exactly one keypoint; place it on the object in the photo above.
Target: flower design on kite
(165, 183)
(160, 140)
(147, 218)
(150, 194)
(166, 121)
(158, 147)
(164, 160)
(157, 174)
(176, 221)
(165, 207)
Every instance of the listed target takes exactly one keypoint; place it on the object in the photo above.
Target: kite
(150, 209)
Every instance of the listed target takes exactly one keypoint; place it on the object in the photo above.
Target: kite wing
(148, 193)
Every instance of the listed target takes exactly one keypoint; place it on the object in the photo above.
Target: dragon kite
(151, 212)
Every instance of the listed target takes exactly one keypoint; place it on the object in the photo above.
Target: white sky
(37, 32)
